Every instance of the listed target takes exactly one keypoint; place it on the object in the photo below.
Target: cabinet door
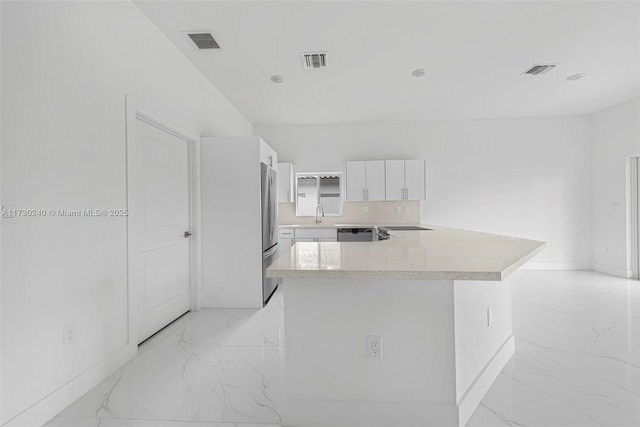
(285, 182)
(414, 173)
(394, 181)
(286, 233)
(268, 155)
(375, 180)
(284, 244)
(329, 234)
(356, 181)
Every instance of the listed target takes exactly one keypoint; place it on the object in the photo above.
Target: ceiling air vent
(539, 69)
(314, 60)
(203, 40)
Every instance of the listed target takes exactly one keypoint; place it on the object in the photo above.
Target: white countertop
(326, 225)
(439, 254)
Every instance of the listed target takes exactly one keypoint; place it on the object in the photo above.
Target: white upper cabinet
(376, 180)
(365, 181)
(415, 179)
(286, 187)
(405, 180)
(268, 154)
(356, 181)
(395, 179)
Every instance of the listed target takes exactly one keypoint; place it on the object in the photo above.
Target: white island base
(441, 350)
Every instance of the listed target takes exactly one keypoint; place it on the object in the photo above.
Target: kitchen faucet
(319, 208)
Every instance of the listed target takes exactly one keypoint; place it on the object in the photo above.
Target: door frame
(633, 215)
(133, 114)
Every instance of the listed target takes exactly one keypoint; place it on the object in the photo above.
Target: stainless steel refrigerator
(269, 202)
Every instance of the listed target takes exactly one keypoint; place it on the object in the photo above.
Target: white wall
(521, 177)
(65, 69)
(616, 135)
(230, 280)
(1, 116)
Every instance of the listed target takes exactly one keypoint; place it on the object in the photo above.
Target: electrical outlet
(489, 315)
(365, 209)
(398, 209)
(374, 347)
(69, 334)
(406, 209)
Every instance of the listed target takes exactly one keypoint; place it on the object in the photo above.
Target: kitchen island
(411, 331)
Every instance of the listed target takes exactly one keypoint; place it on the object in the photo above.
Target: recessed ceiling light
(420, 72)
(277, 79)
(574, 77)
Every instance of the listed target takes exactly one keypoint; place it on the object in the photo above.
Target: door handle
(187, 234)
(270, 251)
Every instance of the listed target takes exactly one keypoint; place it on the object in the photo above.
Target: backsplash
(399, 212)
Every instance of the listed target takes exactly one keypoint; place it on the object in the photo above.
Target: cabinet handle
(405, 194)
(288, 195)
(367, 192)
(364, 194)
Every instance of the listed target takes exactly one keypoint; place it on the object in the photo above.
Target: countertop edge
(522, 261)
(401, 275)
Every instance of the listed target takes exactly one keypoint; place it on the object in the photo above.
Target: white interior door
(159, 218)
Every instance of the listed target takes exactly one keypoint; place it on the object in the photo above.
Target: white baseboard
(613, 271)
(556, 266)
(476, 392)
(323, 413)
(51, 405)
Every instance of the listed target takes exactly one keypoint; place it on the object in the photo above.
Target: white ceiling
(474, 53)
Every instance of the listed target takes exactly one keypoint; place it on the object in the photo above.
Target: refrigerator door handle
(270, 251)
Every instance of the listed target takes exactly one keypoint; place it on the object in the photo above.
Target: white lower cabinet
(316, 235)
(289, 236)
(285, 239)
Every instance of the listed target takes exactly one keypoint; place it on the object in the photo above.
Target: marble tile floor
(577, 363)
